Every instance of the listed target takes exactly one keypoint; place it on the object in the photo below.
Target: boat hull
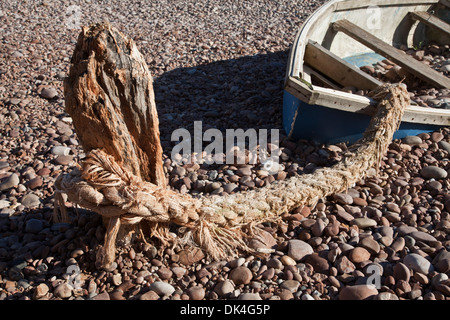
(329, 126)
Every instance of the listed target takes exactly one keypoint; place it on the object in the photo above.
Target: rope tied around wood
(103, 186)
(219, 225)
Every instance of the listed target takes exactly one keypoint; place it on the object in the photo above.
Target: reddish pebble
(358, 292)
(359, 254)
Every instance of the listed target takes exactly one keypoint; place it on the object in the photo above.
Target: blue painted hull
(327, 125)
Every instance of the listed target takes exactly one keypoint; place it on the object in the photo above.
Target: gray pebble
(385, 296)
(418, 263)
(433, 172)
(31, 200)
(404, 230)
(275, 263)
(15, 274)
(438, 279)
(212, 175)
(212, 186)
(386, 231)
(60, 151)
(318, 227)
(237, 262)
(245, 171)
(422, 236)
(49, 93)
(4, 204)
(162, 288)
(410, 242)
(179, 171)
(23, 283)
(412, 140)
(445, 68)
(445, 146)
(307, 296)
(224, 288)
(343, 198)
(230, 187)
(11, 182)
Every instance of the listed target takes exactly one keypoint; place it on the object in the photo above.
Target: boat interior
(346, 35)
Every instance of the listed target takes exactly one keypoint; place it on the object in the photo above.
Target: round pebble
(63, 160)
(11, 182)
(30, 201)
(359, 254)
(318, 263)
(241, 275)
(224, 288)
(291, 285)
(288, 261)
(371, 245)
(433, 172)
(298, 249)
(49, 93)
(418, 263)
(60, 151)
(196, 293)
(41, 291)
(250, 296)
(149, 295)
(401, 272)
(162, 288)
(364, 223)
(385, 296)
(412, 140)
(63, 291)
(358, 292)
(34, 226)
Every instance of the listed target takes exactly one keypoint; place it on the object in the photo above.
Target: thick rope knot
(215, 223)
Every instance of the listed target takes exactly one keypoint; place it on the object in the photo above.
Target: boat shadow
(238, 93)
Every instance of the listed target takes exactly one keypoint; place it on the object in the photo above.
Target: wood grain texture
(431, 21)
(338, 69)
(109, 95)
(410, 64)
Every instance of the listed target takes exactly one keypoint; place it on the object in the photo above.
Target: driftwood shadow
(238, 93)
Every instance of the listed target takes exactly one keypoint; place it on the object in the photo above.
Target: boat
(344, 35)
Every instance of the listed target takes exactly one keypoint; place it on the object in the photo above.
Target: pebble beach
(223, 63)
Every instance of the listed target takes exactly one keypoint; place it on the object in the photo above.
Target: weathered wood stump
(109, 95)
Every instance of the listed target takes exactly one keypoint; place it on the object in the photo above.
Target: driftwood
(112, 185)
(109, 95)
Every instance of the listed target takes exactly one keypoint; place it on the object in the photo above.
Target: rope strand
(215, 223)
